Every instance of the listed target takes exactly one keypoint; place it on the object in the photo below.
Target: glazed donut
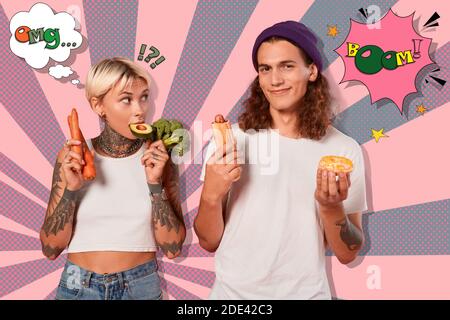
(336, 164)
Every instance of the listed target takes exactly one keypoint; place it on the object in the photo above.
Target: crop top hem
(106, 247)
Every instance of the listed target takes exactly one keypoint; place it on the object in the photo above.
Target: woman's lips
(137, 122)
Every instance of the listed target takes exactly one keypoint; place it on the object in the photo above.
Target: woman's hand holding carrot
(72, 165)
(88, 166)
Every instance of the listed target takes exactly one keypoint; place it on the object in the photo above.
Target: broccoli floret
(175, 138)
(174, 125)
(183, 146)
(162, 127)
(179, 149)
(172, 134)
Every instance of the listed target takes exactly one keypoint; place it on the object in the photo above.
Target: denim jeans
(139, 283)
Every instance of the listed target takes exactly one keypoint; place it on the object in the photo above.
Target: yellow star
(377, 134)
(332, 31)
(421, 109)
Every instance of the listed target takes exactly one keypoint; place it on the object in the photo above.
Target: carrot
(89, 167)
(75, 131)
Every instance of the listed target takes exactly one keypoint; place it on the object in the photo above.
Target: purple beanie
(297, 33)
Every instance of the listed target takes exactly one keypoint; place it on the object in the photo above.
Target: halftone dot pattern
(17, 276)
(357, 120)
(22, 96)
(8, 167)
(176, 291)
(190, 250)
(215, 28)
(194, 250)
(12, 241)
(200, 276)
(189, 218)
(52, 295)
(238, 108)
(321, 14)
(317, 17)
(193, 171)
(19, 208)
(191, 179)
(413, 230)
(434, 95)
(111, 28)
(191, 176)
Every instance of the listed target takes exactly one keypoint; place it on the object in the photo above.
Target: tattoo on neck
(163, 214)
(115, 145)
(350, 234)
(49, 251)
(173, 247)
(62, 215)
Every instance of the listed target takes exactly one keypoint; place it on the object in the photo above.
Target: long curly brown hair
(314, 110)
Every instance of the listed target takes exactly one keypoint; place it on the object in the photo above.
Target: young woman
(113, 225)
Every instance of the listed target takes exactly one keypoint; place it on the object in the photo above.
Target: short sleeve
(356, 200)
(210, 149)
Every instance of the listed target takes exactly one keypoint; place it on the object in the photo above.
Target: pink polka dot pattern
(23, 178)
(215, 28)
(111, 28)
(16, 276)
(23, 98)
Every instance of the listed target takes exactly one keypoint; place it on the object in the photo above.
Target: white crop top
(114, 209)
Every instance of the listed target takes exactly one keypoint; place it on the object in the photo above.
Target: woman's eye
(288, 66)
(126, 100)
(144, 98)
(263, 69)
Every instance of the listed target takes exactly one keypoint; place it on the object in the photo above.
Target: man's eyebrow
(287, 61)
(281, 62)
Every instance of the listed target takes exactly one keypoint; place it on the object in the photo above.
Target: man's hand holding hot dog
(222, 169)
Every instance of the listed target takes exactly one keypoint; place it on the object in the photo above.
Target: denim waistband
(86, 276)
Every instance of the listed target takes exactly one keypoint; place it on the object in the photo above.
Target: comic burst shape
(385, 59)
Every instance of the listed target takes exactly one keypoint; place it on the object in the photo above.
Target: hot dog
(220, 130)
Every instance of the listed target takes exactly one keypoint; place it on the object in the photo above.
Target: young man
(271, 227)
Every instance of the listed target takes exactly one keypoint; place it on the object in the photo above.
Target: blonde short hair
(107, 73)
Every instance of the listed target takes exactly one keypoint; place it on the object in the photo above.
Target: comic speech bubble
(59, 71)
(40, 35)
(385, 59)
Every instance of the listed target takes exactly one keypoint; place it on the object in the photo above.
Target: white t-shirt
(114, 212)
(273, 242)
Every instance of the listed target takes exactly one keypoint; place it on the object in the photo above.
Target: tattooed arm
(343, 233)
(167, 215)
(56, 230)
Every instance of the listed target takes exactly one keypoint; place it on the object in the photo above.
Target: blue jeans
(139, 283)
